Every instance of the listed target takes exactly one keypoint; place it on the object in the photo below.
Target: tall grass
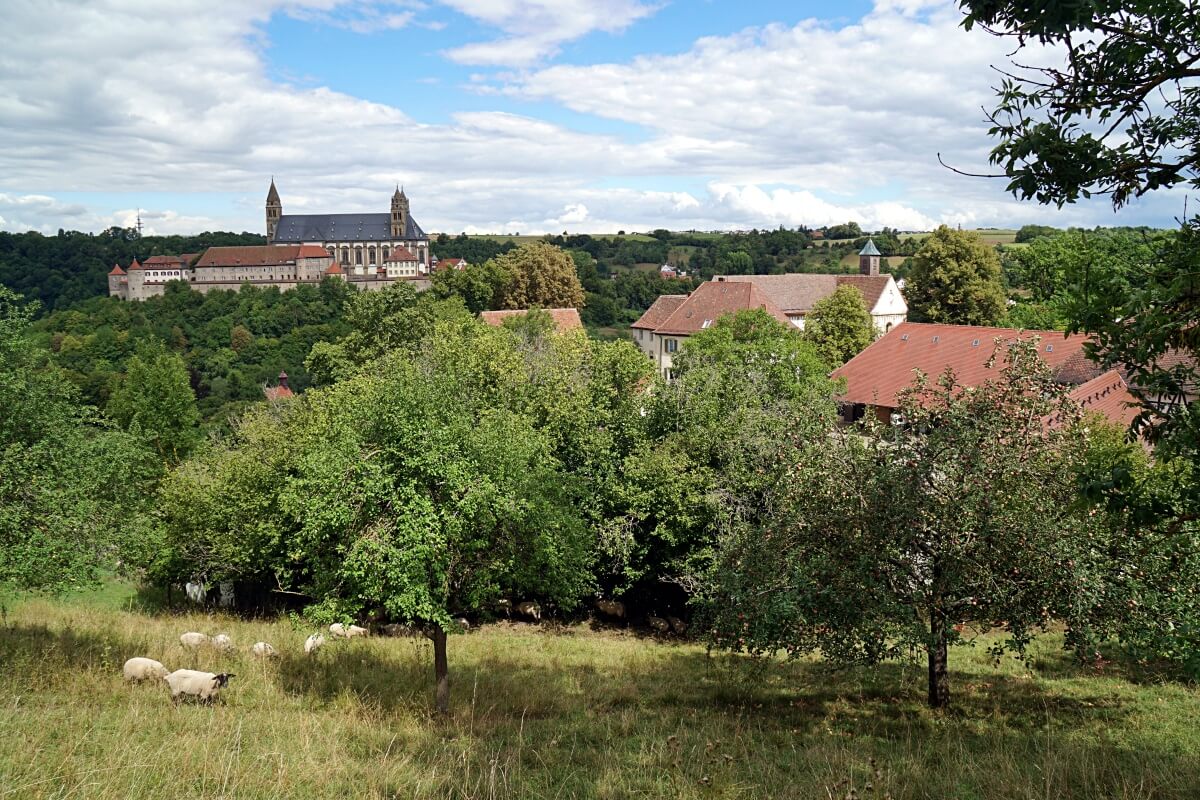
(558, 713)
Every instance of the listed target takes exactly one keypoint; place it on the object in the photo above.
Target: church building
(362, 244)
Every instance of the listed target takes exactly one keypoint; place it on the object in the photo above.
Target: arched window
(386, 252)
(887, 327)
(330, 250)
(358, 256)
(371, 257)
(346, 255)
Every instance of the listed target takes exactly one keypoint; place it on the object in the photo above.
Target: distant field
(504, 237)
(546, 711)
(851, 260)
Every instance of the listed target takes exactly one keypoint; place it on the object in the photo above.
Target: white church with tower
(361, 244)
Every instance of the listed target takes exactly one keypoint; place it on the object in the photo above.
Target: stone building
(362, 244)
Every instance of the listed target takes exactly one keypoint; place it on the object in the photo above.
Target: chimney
(283, 379)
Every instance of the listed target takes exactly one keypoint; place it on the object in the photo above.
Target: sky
(507, 116)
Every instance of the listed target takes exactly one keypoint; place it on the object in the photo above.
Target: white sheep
(529, 609)
(192, 639)
(313, 643)
(203, 685)
(263, 650)
(144, 669)
(222, 642)
(346, 631)
(612, 608)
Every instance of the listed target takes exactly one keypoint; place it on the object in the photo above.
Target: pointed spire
(869, 249)
(396, 195)
(135, 265)
(273, 193)
(116, 270)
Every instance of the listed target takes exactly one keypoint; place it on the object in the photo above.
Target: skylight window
(1049, 348)
(904, 337)
(706, 323)
(974, 343)
(935, 339)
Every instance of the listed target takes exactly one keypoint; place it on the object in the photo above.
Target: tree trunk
(939, 677)
(441, 673)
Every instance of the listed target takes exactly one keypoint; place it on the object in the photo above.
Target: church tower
(274, 211)
(399, 214)
(868, 259)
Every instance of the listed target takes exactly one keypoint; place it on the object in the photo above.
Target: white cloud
(802, 124)
(536, 29)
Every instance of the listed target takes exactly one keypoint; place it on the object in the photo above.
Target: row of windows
(373, 256)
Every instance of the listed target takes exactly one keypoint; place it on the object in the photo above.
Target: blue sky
(505, 115)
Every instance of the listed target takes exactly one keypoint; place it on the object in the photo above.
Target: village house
(674, 317)
(875, 377)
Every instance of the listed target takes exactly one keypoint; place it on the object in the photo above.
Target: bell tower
(868, 259)
(274, 211)
(399, 214)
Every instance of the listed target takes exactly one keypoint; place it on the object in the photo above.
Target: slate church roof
(342, 228)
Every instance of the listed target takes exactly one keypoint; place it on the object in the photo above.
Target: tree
(840, 326)
(478, 285)
(900, 540)
(68, 482)
(540, 275)
(849, 230)
(1117, 112)
(418, 490)
(154, 399)
(955, 279)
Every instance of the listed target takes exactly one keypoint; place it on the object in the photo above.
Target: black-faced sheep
(144, 669)
(202, 685)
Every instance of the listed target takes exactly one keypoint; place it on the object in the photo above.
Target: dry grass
(542, 713)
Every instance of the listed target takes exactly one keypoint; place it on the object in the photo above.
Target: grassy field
(504, 237)
(570, 712)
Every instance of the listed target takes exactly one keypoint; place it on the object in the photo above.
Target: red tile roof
(134, 265)
(565, 319)
(877, 374)
(1108, 395)
(797, 293)
(116, 270)
(400, 254)
(334, 269)
(277, 392)
(312, 251)
(163, 261)
(714, 299)
(659, 311)
(253, 255)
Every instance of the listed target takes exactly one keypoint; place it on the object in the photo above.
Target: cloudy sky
(504, 115)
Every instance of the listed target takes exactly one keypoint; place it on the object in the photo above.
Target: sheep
(611, 608)
(313, 643)
(677, 625)
(142, 669)
(263, 650)
(222, 642)
(659, 624)
(529, 609)
(504, 607)
(465, 624)
(202, 685)
(346, 631)
(191, 639)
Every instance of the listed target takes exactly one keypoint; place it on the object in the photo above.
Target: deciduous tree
(539, 275)
(955, 278)
(840, 326)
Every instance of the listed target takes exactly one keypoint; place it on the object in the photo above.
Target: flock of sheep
(206, 686)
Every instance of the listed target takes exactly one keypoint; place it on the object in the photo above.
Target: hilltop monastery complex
(370, 251)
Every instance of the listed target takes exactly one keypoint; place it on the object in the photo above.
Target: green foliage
(840, 326)
(539, 275)
(478, 285)
(1114, 112)
(850, 230)
(154, 400)
(1028, 233)
(94, 341)
(68, 482)
(955, 278)
(879, 542)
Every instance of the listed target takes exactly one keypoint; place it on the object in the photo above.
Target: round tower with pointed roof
(399, 213)
(274, 211)
(868, 259)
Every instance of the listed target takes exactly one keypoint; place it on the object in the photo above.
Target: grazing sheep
(193, 640)
(195, 592)
(462, 622)
(263, 650)
(144, 669)
(222, 642)
(529, 609)
(202, 685)
(504, 607)
(611, 608)
(356, 630)
(313, 643)
(338, 629)
(658, 624)
(677, 625)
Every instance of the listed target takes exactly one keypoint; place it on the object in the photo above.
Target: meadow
(559, 712)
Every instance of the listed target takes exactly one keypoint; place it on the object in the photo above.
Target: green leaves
(955, 279)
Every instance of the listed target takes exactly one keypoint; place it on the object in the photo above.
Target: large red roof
(565, 319)
(877, 374)
(116, 270)
(255, 255)
(714, 299)
(659, 311)
(401, 254)
(1108, 394)
(797, 293)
